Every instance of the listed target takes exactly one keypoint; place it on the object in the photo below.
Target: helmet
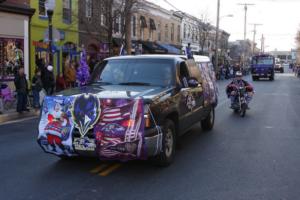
(50, 68)
(238, 73)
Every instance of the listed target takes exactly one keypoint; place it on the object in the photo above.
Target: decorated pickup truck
(134, 107)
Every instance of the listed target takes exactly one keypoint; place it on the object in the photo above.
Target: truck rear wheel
(208, 123)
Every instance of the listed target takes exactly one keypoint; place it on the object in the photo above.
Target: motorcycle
(240, 104)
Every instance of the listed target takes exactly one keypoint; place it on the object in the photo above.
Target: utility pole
(245, 17)
(217, 37)
(262, 43)
(245, 28)
(254, 34)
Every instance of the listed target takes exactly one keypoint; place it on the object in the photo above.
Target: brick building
(154, 30)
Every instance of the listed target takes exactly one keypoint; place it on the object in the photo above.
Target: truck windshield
(263, 61)
(156, 72)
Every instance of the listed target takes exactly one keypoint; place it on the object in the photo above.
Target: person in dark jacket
(231, 89)
(36, 87)
(22, 90)
(49, 80)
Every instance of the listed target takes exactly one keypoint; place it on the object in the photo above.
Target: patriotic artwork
(112, 128)
(56, 126)
(120, 131)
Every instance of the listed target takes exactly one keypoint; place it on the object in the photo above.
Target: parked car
(135, 107)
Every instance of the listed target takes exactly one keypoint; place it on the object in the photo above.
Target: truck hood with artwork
(108, 121)
(118, 91)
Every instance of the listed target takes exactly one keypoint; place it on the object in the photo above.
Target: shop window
(67, 11)
(88, 8)
(158, 32)
(133, 26)
(117, 23)
(184, 31)
(166, 32)
(143, 22)
(152, 24)
(11, 57)
(172, 32)
(42, 8)
(178, 33)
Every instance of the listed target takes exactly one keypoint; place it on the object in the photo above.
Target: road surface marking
(110, 169)
(99, 168)
(17, 121)
(268, 127)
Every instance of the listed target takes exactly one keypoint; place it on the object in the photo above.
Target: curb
(6, 117)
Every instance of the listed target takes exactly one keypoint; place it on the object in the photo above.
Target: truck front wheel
(167, 154)
(208, 123)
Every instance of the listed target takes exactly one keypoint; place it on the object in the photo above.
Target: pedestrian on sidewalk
(22, 90)
(60, 82)
(36, 87)
(1, 104)
(49, 80)
(70, 74)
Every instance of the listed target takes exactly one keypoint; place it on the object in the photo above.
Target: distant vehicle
(263, 66)
(279, 66)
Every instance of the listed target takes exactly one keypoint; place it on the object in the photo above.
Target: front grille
(89, 134)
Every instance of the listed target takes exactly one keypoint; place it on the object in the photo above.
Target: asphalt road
(256, 157)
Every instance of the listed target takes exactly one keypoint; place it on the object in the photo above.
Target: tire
(166, 157)
(208, 123)
(254, 78)
(272, 78)
(282, 71)
(243, 110)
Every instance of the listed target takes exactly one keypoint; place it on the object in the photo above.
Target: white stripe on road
(19, 120)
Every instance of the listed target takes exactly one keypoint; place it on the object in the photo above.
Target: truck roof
(151, 56)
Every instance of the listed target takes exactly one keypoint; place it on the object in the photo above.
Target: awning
(152, 24)
(170, 48)
(143, 22)
(152, 47)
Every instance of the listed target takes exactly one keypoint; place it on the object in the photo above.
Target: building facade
(15, 18)
(153, 30)
(65, 34)
(93, 28)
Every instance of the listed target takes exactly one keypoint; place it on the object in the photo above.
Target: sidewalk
(12, 115)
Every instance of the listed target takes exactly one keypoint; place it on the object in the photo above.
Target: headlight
(147, 116)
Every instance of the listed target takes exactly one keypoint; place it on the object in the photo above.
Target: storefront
(14, 41)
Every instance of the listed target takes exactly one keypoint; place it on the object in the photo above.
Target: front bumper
(152, 139)
(262, 74)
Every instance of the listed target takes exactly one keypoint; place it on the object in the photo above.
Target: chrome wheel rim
(169, 143)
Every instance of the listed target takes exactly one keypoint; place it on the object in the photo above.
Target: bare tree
(204, 30)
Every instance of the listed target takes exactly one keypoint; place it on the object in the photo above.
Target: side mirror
(193, 82)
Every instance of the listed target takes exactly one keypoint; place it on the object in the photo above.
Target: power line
(166, 1)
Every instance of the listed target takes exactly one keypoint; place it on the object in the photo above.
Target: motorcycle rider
(231, 89)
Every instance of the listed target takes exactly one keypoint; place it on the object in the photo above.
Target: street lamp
(50, 6)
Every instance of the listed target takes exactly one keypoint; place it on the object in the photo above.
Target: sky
(280, 19)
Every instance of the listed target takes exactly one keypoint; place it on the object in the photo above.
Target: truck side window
(183, 75)
(194, 70)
